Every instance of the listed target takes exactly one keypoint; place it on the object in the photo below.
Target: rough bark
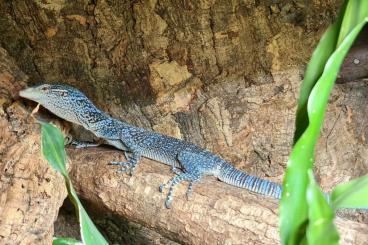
(31, 192)
(204, 71)
(210, 72)
(216, 213)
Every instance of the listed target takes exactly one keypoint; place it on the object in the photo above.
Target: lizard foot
(130, 165)
(121, 164)
(82, 144)
(176, 170)
(174, 181)
(125, 167)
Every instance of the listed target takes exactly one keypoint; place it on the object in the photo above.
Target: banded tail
(235, 177)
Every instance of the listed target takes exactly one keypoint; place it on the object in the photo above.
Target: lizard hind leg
(173, 182)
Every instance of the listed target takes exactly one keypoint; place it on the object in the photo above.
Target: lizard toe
(168, 203)
(122, 164)
(162, 187)
(123, 170)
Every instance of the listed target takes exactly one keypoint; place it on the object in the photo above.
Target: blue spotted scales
(189, 162)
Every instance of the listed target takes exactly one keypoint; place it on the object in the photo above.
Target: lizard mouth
(29, 93)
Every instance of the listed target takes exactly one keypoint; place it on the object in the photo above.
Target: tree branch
(216, 214)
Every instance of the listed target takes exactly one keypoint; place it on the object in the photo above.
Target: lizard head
(62, 100)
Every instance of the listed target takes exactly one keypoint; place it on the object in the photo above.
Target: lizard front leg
(78, 144)
(130, 165)
(132, 156)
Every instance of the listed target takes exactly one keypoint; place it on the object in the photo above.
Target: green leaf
(353, 194)
(293, 206)
(65, 241)
(321, 54)
(321, 229)
(54, 152)
(355, 13)
(53, 147)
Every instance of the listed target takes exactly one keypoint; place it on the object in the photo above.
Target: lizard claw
(189, 195)
(162, 187)
(168, 203)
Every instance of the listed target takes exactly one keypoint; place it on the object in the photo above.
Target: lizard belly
(117, 144)
(162, 158)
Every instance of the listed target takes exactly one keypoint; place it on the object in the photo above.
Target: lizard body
(189, 162)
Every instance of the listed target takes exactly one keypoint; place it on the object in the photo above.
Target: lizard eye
(64, 93)
(45, 89)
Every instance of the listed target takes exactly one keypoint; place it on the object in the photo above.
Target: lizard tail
(235, 177)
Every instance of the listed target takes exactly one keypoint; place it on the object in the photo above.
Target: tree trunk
(31, 192)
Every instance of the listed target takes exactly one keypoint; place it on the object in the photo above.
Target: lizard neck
(100, 124)
(107, 128)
